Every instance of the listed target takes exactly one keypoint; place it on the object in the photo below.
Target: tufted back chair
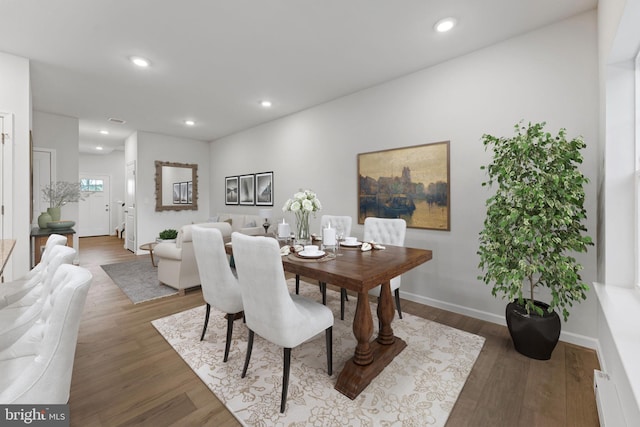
(337, 221)
(16, 289)
(37, 368)
(20, 315)
(270, 311)
(220, 287)
(387, 231)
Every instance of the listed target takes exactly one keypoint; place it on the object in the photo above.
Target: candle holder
(266, 214)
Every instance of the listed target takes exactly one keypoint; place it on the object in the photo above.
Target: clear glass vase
(302, 228)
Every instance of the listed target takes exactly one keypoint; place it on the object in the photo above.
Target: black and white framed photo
(247, 189)
(189, 192)
(264, 189)
(183, 192)
(231, 190)
(176, 193)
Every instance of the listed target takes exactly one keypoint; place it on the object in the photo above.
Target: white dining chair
(20, 315)
(37, 368)
(386, 231)
(220, 287)
(270, 311)
(16, 289)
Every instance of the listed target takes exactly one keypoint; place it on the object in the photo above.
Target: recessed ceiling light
(104, 132)
(265, 103)
(140, 62)
(99, 148)
(444, 25)
(189, 122)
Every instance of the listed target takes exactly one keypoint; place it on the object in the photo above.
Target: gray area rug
(138, 280)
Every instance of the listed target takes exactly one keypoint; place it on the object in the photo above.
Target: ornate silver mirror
(176, 186)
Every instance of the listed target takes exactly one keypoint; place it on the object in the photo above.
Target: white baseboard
(569, 337)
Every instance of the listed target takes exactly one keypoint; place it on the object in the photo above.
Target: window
(91, 185)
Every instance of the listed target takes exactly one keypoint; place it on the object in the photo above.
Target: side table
(149, 247)
(40, 236)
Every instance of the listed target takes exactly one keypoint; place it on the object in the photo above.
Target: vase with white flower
(302, 204)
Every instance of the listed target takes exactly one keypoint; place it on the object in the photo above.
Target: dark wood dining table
(360, 271)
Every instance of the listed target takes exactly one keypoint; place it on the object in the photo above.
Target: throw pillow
(250, 224)
(229, 221)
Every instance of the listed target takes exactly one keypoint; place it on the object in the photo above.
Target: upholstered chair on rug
(386, 231)
(16, 289)
(36, 369)
(270, 311)
(220, 287)
(20, 315)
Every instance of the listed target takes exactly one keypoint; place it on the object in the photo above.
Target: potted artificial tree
(532, 228)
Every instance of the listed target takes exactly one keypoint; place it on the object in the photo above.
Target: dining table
(360, 271)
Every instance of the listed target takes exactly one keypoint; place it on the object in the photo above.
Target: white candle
(284, 230)
(329, 236)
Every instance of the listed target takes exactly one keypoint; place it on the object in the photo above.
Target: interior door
(43, 169)
(130, 208)
(95, 212)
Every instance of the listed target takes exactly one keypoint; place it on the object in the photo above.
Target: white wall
(619, 302)
(62, 134)
(547, 75)
(152, 147)
(111, 164)
(15, 99)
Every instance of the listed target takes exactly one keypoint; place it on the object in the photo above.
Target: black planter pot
(533, 335)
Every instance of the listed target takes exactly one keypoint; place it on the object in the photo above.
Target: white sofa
(176, 260)
(242, 223)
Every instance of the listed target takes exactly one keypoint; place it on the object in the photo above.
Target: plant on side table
(532, 228)
(168, 235)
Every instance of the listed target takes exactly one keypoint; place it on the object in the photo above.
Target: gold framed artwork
(410, 183)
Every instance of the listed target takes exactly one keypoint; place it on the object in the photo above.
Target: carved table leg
(363, 329)
(385, 315)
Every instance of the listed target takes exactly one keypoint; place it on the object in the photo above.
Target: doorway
(95, 209)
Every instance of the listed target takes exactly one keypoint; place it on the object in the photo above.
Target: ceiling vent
(118, 121)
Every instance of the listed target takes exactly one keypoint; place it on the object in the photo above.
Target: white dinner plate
(350, 245)
(316, 254)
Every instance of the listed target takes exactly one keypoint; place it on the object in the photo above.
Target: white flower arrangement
(304, 200)
(62, 192)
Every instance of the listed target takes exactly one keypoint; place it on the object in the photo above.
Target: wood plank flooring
(125, 374)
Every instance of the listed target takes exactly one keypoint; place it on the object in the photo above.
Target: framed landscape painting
(410, 183)
(246, 189)
(264, 189)
(231, 190)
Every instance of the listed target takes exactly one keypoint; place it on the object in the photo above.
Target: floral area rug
(418, 388)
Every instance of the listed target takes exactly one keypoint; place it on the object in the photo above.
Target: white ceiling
(214, 60)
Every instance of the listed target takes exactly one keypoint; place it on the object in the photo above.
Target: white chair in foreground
(37, 368)
(18, 317)
(16, 289)
(386, 231)
(270, 311)
(220, 287)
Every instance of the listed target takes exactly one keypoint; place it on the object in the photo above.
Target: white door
(95, 215)
(44, 164)
(130, 208)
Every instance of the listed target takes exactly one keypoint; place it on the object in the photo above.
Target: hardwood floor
(126, 374)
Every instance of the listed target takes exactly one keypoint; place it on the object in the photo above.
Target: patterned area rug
(419, 388)
(138, 280)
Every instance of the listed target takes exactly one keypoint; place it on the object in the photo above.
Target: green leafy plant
(168, 234)
(534, 219)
